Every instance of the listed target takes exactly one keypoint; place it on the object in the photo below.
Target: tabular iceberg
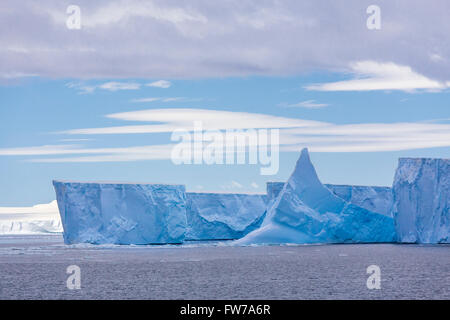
(375, 199)
(422, 200)
(216, 216)
(38, 219)
(306, 211)
(121, 213)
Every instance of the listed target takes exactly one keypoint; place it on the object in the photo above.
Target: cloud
(236, 184)
(169, 99)
(159, 84)
(17, 74)
(146, 100)
(174, 118)
(39, 150)
(309, 104)
(254, 185)
(372, 75)
(109, 86)
(294, 135)
(180, 39)
(435, 57)
(115, 86)
(120, 12)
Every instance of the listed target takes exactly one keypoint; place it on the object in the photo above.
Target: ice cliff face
(121, 213)
(422, 200)
(375, 199)
(306, 211)
(223, 216)
(145, 214)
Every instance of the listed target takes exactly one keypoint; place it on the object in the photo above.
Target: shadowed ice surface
(34, 267)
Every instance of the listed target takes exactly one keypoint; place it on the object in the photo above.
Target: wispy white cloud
(372, 75)
(16, 74)
(146, 100)
(160, 84)
(120, 12)
(236, 184)
(175, 118)
(167, 99)
(115, 86)
(309, 104)
(118, 85)
(436, 57)
(294, 135)
(109, 86)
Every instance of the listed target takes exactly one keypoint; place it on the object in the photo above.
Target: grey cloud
(201, 38)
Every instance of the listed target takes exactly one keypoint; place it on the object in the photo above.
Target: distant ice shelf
(38, 219)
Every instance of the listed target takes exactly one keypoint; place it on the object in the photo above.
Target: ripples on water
(34, 267)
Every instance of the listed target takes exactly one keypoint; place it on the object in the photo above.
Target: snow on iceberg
(306, 211)
(38, 219)
(221, 216)
(421, 207)
(121, 213)
(375, 199)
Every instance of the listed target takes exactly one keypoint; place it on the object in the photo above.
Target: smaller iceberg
(38, 219)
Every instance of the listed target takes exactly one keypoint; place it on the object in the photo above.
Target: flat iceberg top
(225, 193)
(117, 183)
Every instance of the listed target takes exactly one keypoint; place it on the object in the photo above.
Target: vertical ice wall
(121, 213)
(422, 200)
(223, 216)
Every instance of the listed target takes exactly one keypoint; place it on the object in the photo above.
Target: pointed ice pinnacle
(306, 211)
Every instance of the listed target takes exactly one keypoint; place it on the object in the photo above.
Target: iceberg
(121, 213)
(38, 219)
(306, 211)
(222, 216)
(421, 200)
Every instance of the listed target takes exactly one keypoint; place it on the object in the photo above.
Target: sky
(100, 103)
